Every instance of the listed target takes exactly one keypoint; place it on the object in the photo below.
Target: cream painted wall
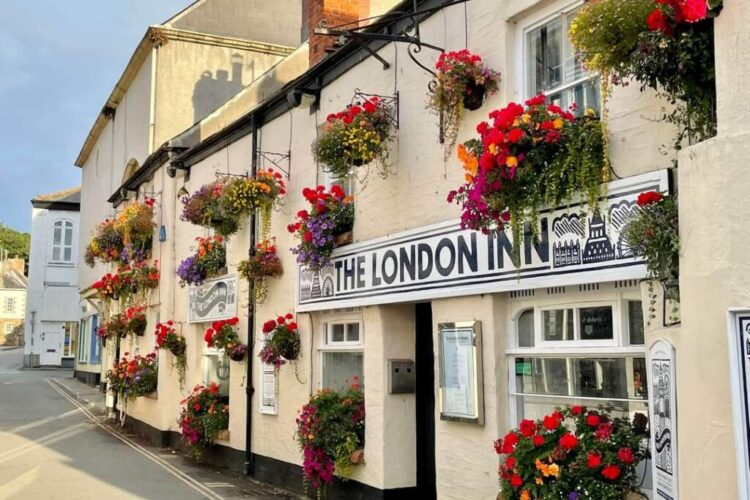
(190, 87)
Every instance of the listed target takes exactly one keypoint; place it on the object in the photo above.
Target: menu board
(461, 372)
(268, 402)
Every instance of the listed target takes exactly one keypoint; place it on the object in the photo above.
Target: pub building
(453, 343)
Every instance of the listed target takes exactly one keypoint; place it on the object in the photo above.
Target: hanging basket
(344, 238)
(474, 97)
(237, 355)
(177, 350)
(140, 329)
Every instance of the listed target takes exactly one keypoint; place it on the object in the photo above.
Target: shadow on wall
(211, 91)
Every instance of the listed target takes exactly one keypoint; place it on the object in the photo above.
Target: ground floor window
(69, 342)
(341, 354)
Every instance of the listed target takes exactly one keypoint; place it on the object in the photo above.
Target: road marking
(44, 441)
(220, 485)
(44, 421)
(196, 485)
(19, 483)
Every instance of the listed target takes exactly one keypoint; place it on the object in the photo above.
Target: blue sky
(58, 63)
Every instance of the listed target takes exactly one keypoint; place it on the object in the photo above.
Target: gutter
(155, 160)
(249, 466)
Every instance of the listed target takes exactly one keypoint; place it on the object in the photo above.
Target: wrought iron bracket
(220, 174)
(390, 101)
(277, 159)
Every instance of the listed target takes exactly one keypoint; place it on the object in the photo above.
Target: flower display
(209, 259)
(125, 239)
(330, 428)
(204, 414)
(115, 326)
(132, 378)
(167, 338)
(331, 214)
(136, 320)
(224, 204)
(129, 284)
(528, 156)
(356, 136)
(654, 233)
(222, 335)
(666, 45)
(572, 453)
(282, 342)
(462, 82)
(263, 263)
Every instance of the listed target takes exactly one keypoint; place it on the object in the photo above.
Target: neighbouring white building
(52, 312)
(12, 300)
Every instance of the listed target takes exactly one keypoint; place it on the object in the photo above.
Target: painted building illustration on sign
(663, 420)
(442, 260)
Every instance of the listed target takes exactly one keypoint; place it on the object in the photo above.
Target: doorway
(51, 349)
(424, 360)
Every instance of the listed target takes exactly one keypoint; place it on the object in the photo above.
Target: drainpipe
(249, 468)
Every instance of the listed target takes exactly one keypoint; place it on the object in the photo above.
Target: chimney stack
(334, 12)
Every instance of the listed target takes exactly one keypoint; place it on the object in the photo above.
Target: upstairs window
(551, 66)
(62, 241)
(9, 305)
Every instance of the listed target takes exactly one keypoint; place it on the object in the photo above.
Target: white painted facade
(52, 311)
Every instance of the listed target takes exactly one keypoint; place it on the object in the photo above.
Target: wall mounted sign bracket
(390, 101)
(277, 160)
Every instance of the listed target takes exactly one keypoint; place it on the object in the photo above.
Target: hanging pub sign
(739, 365)
(574, 245)
(461, 386)
(213, 300)
(663, 411)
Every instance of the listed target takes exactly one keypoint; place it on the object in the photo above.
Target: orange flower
(471, 164)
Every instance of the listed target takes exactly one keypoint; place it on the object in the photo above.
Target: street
(50, 447)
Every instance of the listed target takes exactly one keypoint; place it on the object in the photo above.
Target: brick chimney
(335, 12)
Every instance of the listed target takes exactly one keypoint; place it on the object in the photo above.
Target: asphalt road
(53, 447)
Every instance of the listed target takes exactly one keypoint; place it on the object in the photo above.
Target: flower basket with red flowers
(654, 233)
(462, 82)
(115, 326)
(108, 287)
(263, 263)
(666, 45)
(167, 338)
(354, 137)
(331, 214)
(222, 335)
(528, 157)
(330, 429)
(132, 378)
(282, 342)
(136, 320)
(573, 453)
(208, 261)
(206, 208)
(204, 415)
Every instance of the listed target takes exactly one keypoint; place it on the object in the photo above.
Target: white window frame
(577, 342)
(62, 246)
(325, 345)
(9, 305)
(529, 23)
(8, 328)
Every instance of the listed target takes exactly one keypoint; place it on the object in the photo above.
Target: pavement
(55, 443)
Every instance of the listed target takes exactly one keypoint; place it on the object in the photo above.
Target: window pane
(533, 407)
(352, 332)
(545, 54)
(68, 254)
(558, 324)
(584, 94)
(56, 253)
(621, 378)
(340, 368)
(337, 333)
(57, 238)
(635, 322)
(526, 329)
(596, 323)
(68, 236)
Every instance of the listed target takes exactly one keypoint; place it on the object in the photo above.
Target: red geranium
(568, 441)
(593, 460)
(611, 472)
(626, 456)
(538, 440)
(593, 420)
(649, 197)
(527, 428)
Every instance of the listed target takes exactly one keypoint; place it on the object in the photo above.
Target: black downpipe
(249, 468)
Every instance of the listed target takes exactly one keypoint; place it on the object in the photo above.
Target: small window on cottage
(342, 356)
(62, 241)
(8, 328)
(9, 306)
(551, 66)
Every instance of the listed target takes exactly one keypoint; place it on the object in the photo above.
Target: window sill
(61, 264)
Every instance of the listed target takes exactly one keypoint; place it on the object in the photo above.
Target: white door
(51, 349)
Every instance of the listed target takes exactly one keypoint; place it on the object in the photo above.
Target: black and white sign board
(739, 366)
(573, 246)
(663, 412)
(213, 300)
(461, 382)
(269, 390)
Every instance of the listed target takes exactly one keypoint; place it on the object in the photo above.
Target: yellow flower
(511, 161)
(590, 113)
(554, 470)
(558, 123)
(493, 148)
(539, 481)
(526, 118)
(525, 495)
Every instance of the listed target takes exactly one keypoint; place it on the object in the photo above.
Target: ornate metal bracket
(391, 101)
(276, 160)
(220, 174)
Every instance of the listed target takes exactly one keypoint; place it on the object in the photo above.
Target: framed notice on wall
(269, 390)
(739, 365)
(213, 300)
(461, 384)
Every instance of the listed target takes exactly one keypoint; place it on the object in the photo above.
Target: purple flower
(573, 495)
